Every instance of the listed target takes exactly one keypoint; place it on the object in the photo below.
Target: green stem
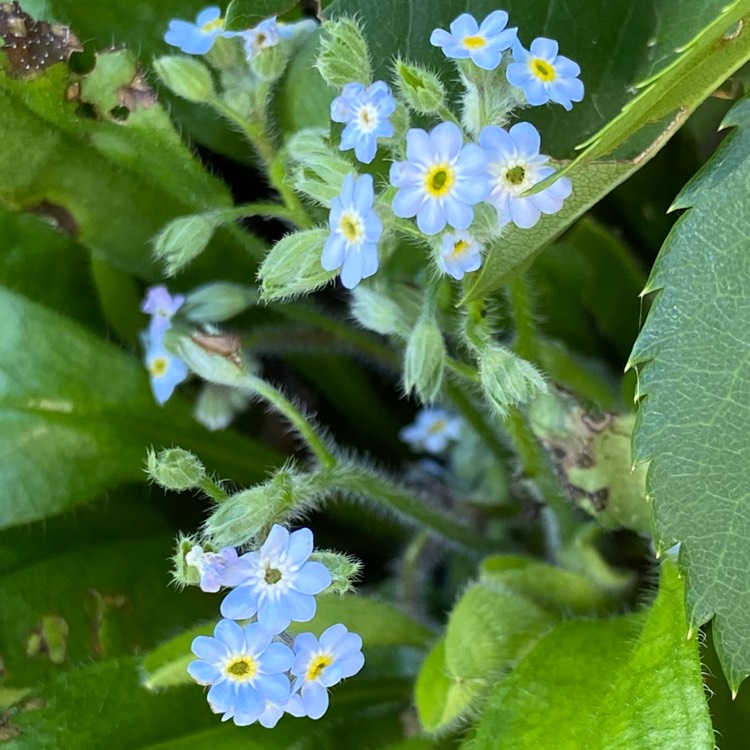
(294, 416)
(526, 344)
(213, 490)
(257, 134)
(244, 210)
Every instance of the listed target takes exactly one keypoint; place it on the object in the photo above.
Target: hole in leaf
(119, 113)
(86, 111)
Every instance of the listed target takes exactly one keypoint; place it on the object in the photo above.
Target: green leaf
(694, 382)
(380, 624)
(245, 14)
(76, 417)
(110, 184)
(637, 679)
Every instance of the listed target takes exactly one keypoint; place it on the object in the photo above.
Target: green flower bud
(182, 573)
(217, 405)
(292, 267)
(186, 77)
(424, 361)
(184, 239)
(421, 88)
(343, 56)
(227, 54)
(345, 570)
(488, 97)
(217, 302)
(507, 380)
(270, 62)
(215, 357)
(175, 469)
(375, 310)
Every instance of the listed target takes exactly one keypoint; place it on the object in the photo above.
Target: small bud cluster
(253, 673)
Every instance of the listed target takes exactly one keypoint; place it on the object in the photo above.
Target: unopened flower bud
(218, 301)
(507, 380)
(424, 360)
(184, 239)
(345, 570)
(421, 88)
(175, 469)
(375, 310)
(343, 56)
(186, 77)
(217, 405)
(319, 170)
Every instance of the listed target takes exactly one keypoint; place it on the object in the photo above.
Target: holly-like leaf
(627, 682)
(694, 382)
(76, 417)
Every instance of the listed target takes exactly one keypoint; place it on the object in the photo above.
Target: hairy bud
(175, 469)
(421, 88)
(343, 56)
(507, 380)
(186, 77)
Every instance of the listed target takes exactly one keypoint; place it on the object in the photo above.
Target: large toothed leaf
(76, 417)
(628, 682)
(694, 382)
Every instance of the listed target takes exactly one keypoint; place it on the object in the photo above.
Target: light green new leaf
(76, 417)
(619, 684)
(694, 382)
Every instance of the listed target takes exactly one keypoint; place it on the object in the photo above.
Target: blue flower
(244, 669)
(432, 431)
(319, 665)
(483, 44)
(514, 165)
(459, 254)
(197, 38)
(165, 370)
(277, 583)
(274, 711)
(211, 565)
(441, 180)
(544, 75)
(366, 112)
(161, 306)
(266, 34)
(355, 228)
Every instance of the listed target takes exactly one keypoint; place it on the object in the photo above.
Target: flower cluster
(165, 370)
(444, 175)
(253, 674)
(432, 431)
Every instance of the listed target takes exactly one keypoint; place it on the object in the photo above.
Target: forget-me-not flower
(197, 38)
(442, 179)
(274, 711)
(515, 164)
(484, 43)
(365, 112)
(432, 430)
(211, 565)
(544, 75)
(244, 668)
(161, 306)
(266, 34)
(165, 370)
(355, 228)
(459, 254)
(277, 583)
(320, 664)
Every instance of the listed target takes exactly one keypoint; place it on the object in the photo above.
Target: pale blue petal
(458, 214)
(315, 698)
(331, 675)
(503, 41)
(351, 271)
(566, 68)
(238, 573)
(487, 57)
(472, 161)
(295, 706)
(545, 48)
(406, 174)
(209, 649)
(373, 227)
(571, 88)
(347, 189)
(364, 194)
(211, 13)
(336, 210)
(407, 202)
(333, 252)
(276, 658)
(448, 141)
(471, 190)
(495, 140)
(431, 217)
(464, 25)
(547, 202)
(304, 645)
(366, 148)
(524, 213)
(456, 50)
(274, 616)
(370, 260)
(278, 538)
(301, 606)
(557, 95)
(494, 23)
(270, 716)
(300, 545)
(258, 639)
(249, 703)
(203, 672)
(349, 645)
(536, 92)
(313, 578)
(419, 147)
(351, 664)
(440, 37)
(275, 687)
(221, 697)
(333, 637)
(518, 74)
(520, 53)
(350, 137)
(526, 138)
(240, 603)
(384, 129)
(229, 632)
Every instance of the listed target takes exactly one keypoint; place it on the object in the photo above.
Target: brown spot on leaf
(137, 93)
(57, 215)
(33, 46)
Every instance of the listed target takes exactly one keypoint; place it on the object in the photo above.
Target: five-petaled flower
(544, 75)
(365, 112)
(276, 583)
(432, 430)
(161, 306)
(515, 164)
(266, 34)
(165, 370)
(355, 228)
(197, 38)
(320, 664)
(484, 43)
(459, 254)
(211, 565)
(442, 179)
(244, 668)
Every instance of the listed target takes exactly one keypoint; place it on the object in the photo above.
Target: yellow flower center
(515, 175)
(459, 249)
(438, 425)
(542, 70)
(351, 227)
(241, 669)
(158, 366)
(367, 117)
(474, 42)
(317, 665)
(210, 26)
(439, 180)
(272, 576)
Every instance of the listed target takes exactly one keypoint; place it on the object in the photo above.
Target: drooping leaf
(694, 382)
(631, 681)
(76, 417)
